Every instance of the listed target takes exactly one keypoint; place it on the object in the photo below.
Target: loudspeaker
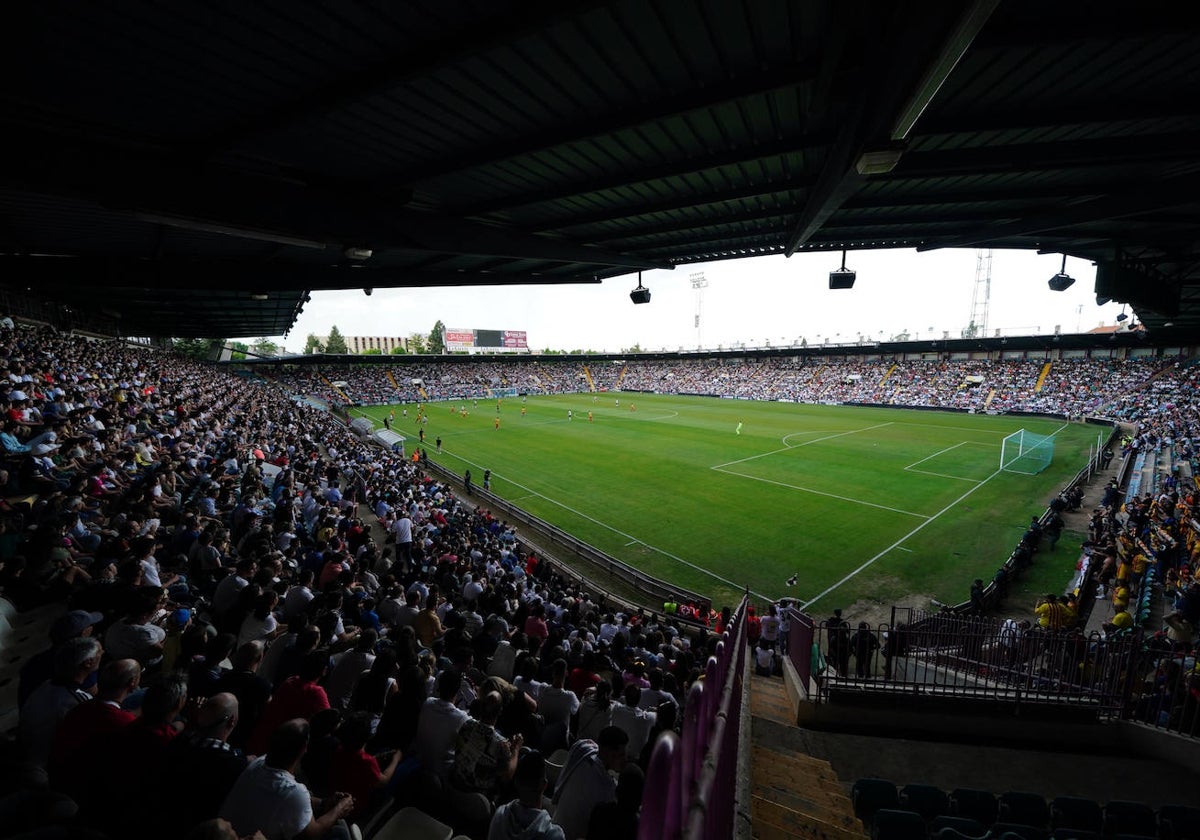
(640, 295)
(842, 278)
(1061, 282)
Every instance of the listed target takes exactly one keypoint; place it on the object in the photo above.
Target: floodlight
(641, 294)
(358, 254)
(1062, 281)
(842, 278)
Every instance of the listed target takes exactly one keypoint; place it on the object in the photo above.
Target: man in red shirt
(88, 722)
(296, 697)
(356, 771)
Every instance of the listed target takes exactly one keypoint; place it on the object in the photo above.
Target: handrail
(694, 775)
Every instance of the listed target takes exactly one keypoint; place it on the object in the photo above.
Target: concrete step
(765, 813)
(825, 809)
(785, 772)
(769, 699)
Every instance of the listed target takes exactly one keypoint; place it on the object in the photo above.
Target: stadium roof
(196, 168)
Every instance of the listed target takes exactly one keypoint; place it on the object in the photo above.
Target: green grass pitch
(859, 503)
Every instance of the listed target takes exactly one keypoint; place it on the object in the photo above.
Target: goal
(1026, 453)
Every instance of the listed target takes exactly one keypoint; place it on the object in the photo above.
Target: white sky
(755, 301)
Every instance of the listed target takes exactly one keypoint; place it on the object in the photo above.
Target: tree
(372, 351)
(312, 345)
(199, 349)
(416, 343)
(398, 350)
(437, 341)
(265, 347)
(239, 350)
(335, 343)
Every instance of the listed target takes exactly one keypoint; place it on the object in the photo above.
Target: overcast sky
(755, 301)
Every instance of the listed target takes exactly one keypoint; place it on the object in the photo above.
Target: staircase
(793, 795)
(335, 388)
(621, 378)
(587, 374)
(1041, 380)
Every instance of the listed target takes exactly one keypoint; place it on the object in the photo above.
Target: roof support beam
(1025, 157)
(1105, 208)
(157, 188)
(641, 113)
(480, 35)
(1159, 107)
(129, 275)
(891, 112)
(681, 202)
(649, 174)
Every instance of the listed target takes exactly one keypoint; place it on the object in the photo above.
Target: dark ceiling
(192, 169)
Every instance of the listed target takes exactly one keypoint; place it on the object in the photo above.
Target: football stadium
(278, 561)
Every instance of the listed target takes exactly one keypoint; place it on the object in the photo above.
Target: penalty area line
(897, 543)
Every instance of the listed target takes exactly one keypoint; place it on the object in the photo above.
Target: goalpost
(1026, 453)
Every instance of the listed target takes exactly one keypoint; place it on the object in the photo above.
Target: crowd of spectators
(1073, 387)
(238, 639)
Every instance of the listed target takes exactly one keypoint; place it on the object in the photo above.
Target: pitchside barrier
(657, 592)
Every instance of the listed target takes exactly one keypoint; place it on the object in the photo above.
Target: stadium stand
(209, 529)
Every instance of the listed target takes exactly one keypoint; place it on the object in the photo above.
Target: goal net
(1026, 453)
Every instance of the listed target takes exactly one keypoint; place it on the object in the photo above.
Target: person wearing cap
(40, 667)
(524, 818)
(74, 664)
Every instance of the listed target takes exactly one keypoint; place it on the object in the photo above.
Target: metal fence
(984, 659)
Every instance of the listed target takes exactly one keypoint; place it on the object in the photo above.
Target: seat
(414, 824)
(1076, 812)
(1074, 834)
(1122, 817)
(974, 804)
(1018, 830)
(926, 800)
(378, 817)
(871, 795)
(1178, 822)
(949, 833)
(468, 812)
(554, 766)
(1023, 808)
(961, 825)
(892, 824)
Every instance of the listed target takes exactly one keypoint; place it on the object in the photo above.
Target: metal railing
(658, 592)
(982, 659)
(694, 775)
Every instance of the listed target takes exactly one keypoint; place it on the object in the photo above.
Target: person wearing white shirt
(438, 725)
(557, 704)
(634, 722)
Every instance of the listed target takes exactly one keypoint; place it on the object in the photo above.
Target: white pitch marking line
(902, 548)
(934, 455)
(821, 493)
(942, 475)
(631, 542)
(797, 446)
(737, 586)
(897, 543)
